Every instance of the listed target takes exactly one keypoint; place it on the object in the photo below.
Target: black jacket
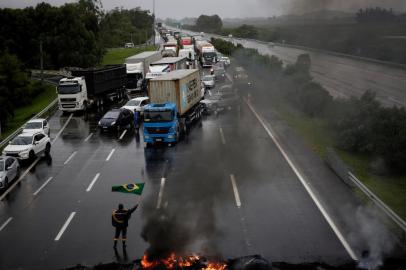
(120, 218)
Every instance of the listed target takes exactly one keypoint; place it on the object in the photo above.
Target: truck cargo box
(103, 80)
(146, 58)
(181, 87)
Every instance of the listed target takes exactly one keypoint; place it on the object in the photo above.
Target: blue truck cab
(161, 123)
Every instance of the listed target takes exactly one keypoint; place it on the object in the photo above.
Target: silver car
(208, 81)
(9, 170)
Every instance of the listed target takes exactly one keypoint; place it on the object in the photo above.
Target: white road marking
(93, 182)
(235, 189)
(63, 127)
(43, 185)
(223, 139)
(209, 92)
(19, 179)
(70, 157)
(304, 183)
(88, 137)
(111, 153)
(161, 193)
(5, 223)
(65, 226)
(123, 134)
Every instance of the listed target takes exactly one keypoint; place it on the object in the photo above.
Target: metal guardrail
(45, 113)
(343, 171)
(378, 202)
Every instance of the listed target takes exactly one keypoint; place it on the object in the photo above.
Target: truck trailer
(137, 69)
(91, 87)
(175, 105)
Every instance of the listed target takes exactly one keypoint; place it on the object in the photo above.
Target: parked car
(116, 119)
(9, 170)
(208, 81)
(28, 146)
(220, 101)
(136, 104)
(37, 125)
(219, 72)
(129, 45)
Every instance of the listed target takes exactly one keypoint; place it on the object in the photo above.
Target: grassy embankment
(389, 188)
(23, 114)
(118, 55)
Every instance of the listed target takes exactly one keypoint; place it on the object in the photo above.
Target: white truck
(137, 69)
(92, 86)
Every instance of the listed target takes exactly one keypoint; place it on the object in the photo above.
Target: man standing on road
(137, 120)
(119, 220)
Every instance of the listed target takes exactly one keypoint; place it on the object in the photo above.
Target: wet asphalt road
(226, 186)
(342, 77)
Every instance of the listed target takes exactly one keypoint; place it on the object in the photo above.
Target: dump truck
(91, 87)
(137, 68)
(175, 106)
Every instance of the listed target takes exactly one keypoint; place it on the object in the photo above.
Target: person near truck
(119, 220)
(137, 119)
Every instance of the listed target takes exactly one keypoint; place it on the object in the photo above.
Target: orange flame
(179, 262)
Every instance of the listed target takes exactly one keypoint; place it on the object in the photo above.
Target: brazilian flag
(129, 188)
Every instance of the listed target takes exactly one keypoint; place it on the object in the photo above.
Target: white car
(208, 81)
(9, 170)
(28, 146)
(129, 45)
(37, 125)
(136, 104)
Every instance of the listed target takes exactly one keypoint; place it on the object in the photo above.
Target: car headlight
(24, 153)
(113, 123)
(99, 123)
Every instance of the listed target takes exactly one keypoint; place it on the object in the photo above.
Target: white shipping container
(181, 87)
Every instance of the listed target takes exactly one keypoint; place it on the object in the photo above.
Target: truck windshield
(157, 116)
(209, 55)
(66, 89)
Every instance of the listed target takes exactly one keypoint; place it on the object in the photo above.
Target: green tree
(209, 23)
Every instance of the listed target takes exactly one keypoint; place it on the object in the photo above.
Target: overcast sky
(228, 8)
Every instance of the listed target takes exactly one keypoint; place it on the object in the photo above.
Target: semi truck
(206, 53)
(175, 105)
(91, 87)
(165, 65)
(137, 68)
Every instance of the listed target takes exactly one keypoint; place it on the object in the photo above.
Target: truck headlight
(146, 137)
(171, 137)
(113, 123)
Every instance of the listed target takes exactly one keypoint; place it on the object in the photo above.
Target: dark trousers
(122, 231)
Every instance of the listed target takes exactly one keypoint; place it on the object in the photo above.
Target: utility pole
(153, 24)
(41, 61)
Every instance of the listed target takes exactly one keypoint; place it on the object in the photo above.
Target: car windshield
(133, 102)
(66, 89)
(1, 165)
(21, 140)
(111, 115)
(33, 125)
(207, 78)
(157, 116)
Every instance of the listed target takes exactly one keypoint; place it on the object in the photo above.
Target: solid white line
(122, 135)
(88, 137)
(19, 179)
(304, 183)
(43, 185)
(70, 157)
(223, 139)
(161, 193)
(5, 223)
(63, 127)
(93, 182)
(111, 153)
(235, 189)
(65, 226)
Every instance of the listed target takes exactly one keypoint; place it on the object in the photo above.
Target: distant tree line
(376, 14)
(362, 125)
(205, 23)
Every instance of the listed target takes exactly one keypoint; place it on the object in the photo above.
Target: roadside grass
(23, 114)
(118, 55)
(389, 188)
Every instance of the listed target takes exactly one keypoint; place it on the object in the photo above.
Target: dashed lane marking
(111, 154)
(65, 226)
(223, 139)
(88, 137)
(43, 185)
(93, 182)
(161, 193)
(235, 189)
(70, 157)
(123, 134)
(5, 223)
